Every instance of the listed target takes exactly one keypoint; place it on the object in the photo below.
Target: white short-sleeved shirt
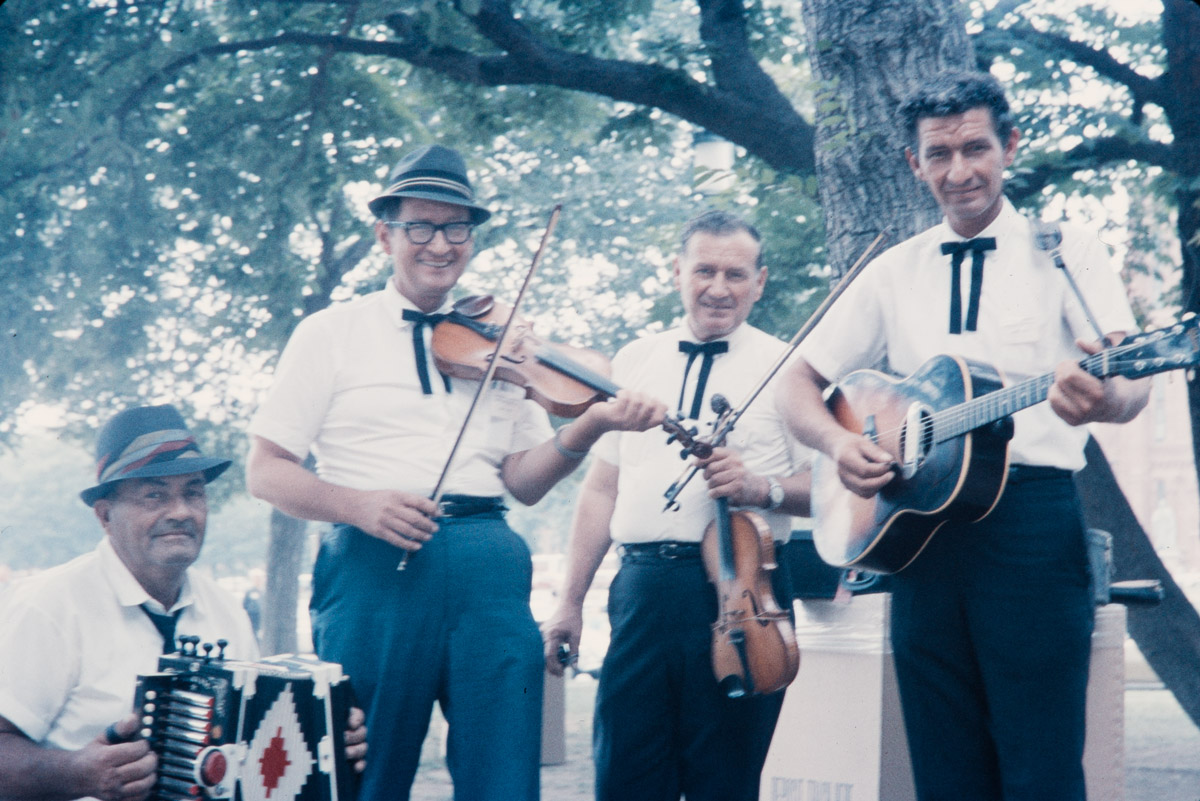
(897, 314)
(646, 466)
(73, 641)
(347, 388)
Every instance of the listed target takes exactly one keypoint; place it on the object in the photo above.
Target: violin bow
(728, 419)
(493, 362)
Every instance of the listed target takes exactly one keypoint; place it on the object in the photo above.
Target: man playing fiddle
(663, 727)
(991, 624)
(355, 385)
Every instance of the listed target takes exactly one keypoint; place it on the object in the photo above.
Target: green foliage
(1060, 101)
(169, 222)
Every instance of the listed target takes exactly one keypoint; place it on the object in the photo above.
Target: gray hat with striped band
(432, 172)
(147, 442)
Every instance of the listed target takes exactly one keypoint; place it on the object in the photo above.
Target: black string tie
(165, 625)
(692, 349)
(420, 320)
(957, 250)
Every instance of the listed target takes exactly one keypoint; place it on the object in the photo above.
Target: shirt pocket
(1021, 337)
(503, 407)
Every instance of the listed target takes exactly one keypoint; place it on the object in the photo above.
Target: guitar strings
(957, 419)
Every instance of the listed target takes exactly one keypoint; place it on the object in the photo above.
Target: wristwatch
(774, 494)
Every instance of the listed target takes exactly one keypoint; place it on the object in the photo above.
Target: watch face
(775, 495)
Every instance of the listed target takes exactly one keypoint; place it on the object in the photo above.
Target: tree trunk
(866, 56)
(285, 551)
(1168, 633)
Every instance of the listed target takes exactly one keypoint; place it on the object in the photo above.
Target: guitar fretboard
(968, 416)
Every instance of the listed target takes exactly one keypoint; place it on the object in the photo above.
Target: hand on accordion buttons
(356, 739)
(117, 765)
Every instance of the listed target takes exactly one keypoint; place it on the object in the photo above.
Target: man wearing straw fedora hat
(74, 638)
(356, 387)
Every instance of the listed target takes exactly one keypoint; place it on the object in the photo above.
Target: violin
(562, 379)
(754, 649)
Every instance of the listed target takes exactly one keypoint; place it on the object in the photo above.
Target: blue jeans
(453, 627)
(991, 628)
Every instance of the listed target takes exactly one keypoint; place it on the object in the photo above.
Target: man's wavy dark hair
(718, 223)
(954, 92)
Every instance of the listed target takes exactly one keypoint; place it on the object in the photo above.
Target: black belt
(1033, 472)
(467, 505)
(663, 550)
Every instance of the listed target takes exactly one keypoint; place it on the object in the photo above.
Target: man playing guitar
(991, 623)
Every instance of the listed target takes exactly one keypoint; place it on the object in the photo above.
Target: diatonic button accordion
(272, 730)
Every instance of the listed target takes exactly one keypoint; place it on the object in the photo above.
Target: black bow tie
(694, 349)
(419, 321)
(957, 250)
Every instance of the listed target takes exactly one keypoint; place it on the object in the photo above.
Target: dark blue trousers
(453, 627)
(662, 727)
(991, 628)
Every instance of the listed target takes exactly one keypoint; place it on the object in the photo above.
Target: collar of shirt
(394, 305)
(1009, 223)
(736, 337)
(126, 587)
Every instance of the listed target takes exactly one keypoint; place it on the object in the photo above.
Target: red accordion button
(212, 769)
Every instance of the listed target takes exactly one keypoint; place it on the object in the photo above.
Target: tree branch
(734, 68)
(1144, 90)
(778, 135)
(1092, 154)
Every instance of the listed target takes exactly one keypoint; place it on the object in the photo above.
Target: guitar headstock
(1176, 347)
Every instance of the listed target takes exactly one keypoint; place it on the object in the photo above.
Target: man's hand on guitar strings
(864, 467)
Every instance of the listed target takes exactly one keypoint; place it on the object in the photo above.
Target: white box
(841, 736)
(1104, 751)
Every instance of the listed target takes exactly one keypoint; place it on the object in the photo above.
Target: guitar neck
(958, 420)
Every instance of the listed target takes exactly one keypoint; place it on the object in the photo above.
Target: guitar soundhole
(916, 439)
(926, 431)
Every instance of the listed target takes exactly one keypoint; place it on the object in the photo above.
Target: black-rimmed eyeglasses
(422, 233)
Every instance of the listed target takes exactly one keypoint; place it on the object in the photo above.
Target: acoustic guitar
(947, 427)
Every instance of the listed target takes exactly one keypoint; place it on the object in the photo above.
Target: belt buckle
(670, 550)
